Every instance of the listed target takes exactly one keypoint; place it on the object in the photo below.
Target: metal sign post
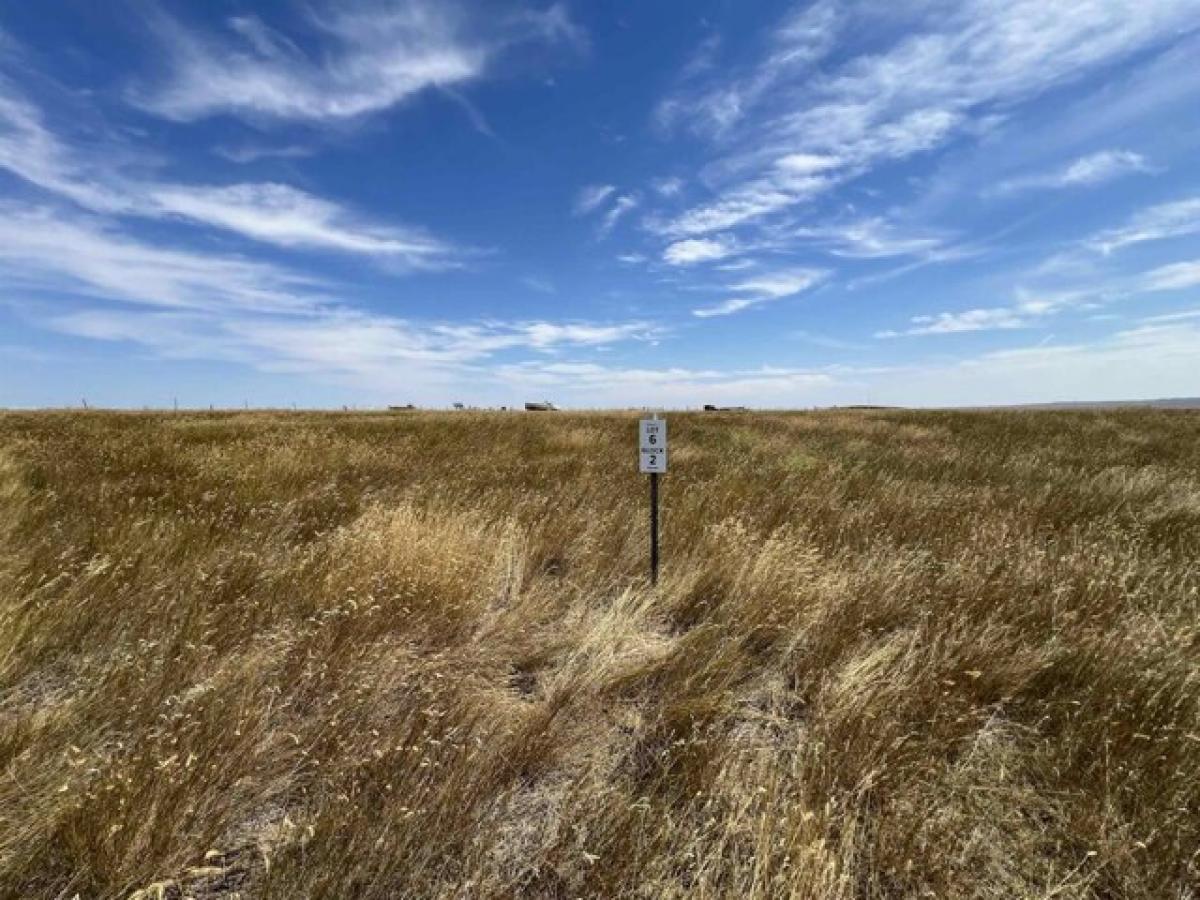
(652, 460)
(654, 528)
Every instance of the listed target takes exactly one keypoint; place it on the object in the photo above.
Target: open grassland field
(892, 654)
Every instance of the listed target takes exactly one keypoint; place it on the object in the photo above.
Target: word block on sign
(652, 445)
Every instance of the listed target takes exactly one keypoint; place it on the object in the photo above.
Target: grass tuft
(892, 654)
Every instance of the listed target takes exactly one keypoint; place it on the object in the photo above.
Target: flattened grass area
(893, 654)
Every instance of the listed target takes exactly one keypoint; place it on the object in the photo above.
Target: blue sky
(606, 204)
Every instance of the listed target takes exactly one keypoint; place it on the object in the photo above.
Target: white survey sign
(652, 445)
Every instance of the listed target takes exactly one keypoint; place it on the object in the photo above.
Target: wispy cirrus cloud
(29, 150)
(178, 303)
(1030, 308)
(186, 302)
(803, 37)
(699, 250)
(1154, 358)
(594, 384)
(491, 336)
(670, 186)
(1035, 306)
(45, 249)
(939, 81)
(763, 288)
(622, 206)
(989, 319)
(287, 217)
(250, 153)
(1085, 171)
(1156, 223)
(871, 238)
(591, 197)
(271, 213)
(366, 57)
(607, 201)
(728, 307)
(1174, 277)
(780, 188)
(1150, 360)
(370, 349)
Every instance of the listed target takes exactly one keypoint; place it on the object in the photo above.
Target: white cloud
(807, 163)
(1148, 361)
(184, 304)
(968, 320)
(43, 249)
(596, 385)
(801, 39)
(1182, 316)
(1143, 362)
(596, 197)
(1032, 306)
(542, 335)
(250, 153)
(1103, 167)
(621, 206)
(213, 306)
(1085, 171)
(284, 216)
(1139, 363)
(763, 289)
(747, 202)
(200, 305)
(1175, 277)
(591, 197)
(30, 151)
(783, 283)
(958, 65)
(698, 250)
(667, 187)
(365, 58)
(872, 238)
(727, 307)
(1029, 307)
(170, 334)
(338, 341)
(271, 213)
(1138, 345)
(1156, 223)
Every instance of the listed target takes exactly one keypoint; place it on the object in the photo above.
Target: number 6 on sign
(652, 456)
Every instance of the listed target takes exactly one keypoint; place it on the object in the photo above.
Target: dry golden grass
(893, 654)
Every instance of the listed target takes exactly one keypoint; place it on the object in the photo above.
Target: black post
(654, 528)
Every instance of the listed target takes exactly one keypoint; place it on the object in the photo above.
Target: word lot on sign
(652, 445)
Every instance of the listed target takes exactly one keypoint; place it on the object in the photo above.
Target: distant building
(540, 406)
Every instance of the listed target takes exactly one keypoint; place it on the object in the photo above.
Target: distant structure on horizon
(540, 406)
(709, 407)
